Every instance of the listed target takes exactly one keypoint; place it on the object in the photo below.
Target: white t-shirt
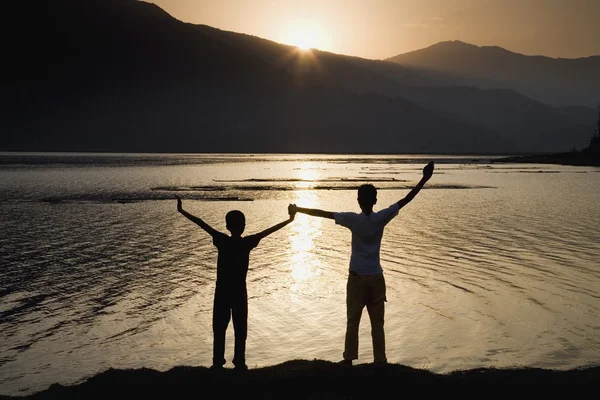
(367, 231)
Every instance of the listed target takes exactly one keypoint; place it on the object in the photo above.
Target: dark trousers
(230, 304)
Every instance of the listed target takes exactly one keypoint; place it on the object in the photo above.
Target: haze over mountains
(557, 81)
(123, 75)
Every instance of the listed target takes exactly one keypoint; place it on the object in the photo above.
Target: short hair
(235, 218)
(367, 192)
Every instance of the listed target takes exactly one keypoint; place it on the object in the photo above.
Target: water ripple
(488, 277)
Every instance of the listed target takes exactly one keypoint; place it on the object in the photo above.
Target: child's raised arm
(274, 228)
(427, 173)
(195, 219)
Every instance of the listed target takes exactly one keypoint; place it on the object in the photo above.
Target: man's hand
(428, 170)
(292, 210)
(179, 204)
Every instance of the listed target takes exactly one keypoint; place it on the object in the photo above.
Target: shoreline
(577, 158)
(299, 379)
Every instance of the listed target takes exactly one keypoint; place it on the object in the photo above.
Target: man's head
(235, 222)
(367, 197)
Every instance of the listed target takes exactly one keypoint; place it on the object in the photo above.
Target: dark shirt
(233, 259)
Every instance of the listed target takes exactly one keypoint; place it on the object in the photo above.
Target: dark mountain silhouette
(557, 81)
(536, 126)
(123, 75)
(589, 156)
(120, 75)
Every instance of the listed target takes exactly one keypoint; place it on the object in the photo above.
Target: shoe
(347, 363)
(216, 367)
(218, 363)
(241, 368)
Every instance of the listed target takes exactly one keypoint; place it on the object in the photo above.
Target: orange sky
(384, 28)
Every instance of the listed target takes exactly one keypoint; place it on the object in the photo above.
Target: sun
(305, 41)
(304, 34)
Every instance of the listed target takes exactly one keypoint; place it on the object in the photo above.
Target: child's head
(367, 197)
(235, 222)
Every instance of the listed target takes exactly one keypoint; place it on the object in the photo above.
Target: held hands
(292, 210)
(428, 170)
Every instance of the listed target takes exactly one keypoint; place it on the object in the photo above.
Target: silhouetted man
(366, 283)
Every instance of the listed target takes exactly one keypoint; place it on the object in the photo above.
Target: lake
(490, 265)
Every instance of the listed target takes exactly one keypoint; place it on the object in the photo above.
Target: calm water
(490, 265)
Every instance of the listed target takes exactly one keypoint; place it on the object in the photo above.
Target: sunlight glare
(305, 35)
(307, 174)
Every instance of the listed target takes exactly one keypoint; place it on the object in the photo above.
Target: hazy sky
(384, 28)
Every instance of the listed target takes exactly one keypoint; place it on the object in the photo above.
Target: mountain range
(125, 76)
(556, 81)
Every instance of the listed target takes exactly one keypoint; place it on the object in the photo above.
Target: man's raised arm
(313, 211)
(211, 231)
(427, 173)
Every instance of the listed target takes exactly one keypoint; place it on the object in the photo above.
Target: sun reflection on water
(305, 265)
(307, 173)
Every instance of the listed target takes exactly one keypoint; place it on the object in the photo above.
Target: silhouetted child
(231, 298)
(366, 284)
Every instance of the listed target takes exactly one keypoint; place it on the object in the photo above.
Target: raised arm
(313, 211)
(427, 173)
(291, 210)
(195, 219)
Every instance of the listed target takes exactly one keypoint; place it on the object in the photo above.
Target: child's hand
(428, 170)
(292, 210)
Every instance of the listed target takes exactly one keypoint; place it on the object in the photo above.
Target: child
(366, 284)
(231, 298)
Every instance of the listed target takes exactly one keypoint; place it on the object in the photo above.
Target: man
(366, 283)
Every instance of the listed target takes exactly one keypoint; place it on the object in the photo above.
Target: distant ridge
(557, 81)
(459, 45)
